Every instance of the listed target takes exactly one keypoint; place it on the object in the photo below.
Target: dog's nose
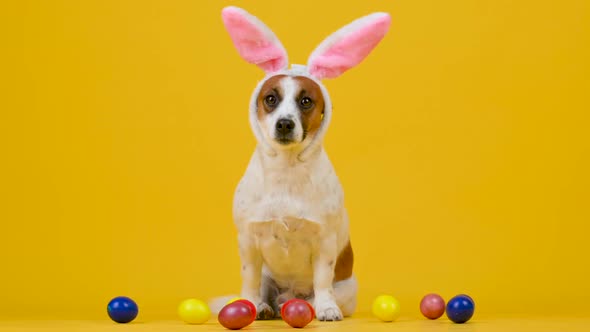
(285, 126)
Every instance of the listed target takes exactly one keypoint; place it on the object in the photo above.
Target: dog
(288, 208)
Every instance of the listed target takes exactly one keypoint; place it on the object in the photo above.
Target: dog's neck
(287, 158)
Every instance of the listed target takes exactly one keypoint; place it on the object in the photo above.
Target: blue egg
(122, 309)
(460, 308)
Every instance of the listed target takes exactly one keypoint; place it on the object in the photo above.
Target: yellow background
(462, 144)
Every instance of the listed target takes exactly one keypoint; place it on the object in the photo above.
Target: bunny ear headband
(339, 52)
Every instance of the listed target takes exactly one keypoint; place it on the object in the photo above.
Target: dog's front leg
(251, 259)
(323, 275)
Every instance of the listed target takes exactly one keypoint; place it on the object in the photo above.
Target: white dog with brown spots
(289, 207)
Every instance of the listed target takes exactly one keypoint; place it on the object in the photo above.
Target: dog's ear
(348, 46)
(255, 42)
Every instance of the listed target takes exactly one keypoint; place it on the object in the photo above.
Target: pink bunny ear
(255, 42)
(348, 46)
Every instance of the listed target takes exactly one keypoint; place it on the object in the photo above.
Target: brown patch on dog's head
(272, 87)
(311, 118)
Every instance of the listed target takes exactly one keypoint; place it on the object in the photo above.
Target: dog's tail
(217, 303)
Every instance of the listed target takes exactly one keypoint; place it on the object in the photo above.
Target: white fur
(291, 219)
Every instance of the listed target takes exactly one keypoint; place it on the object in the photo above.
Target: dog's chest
(272, 191)
(287, 246)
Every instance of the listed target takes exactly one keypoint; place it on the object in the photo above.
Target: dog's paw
(328, 311)
(264, 312)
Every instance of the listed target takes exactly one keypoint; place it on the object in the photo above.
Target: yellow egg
(194, 311)
(233, 300)
(386, 308)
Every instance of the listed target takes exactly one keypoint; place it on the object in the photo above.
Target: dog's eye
(270, 100)
(306, 103)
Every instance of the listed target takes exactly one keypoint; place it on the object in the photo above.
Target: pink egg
(432, 306)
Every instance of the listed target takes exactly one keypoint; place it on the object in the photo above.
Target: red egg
(432, 306)
(235, 315)
(298, 300)
(251, 306)
(297, 313)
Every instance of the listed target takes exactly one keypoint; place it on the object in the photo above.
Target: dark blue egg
(460, 308)
(122, 309)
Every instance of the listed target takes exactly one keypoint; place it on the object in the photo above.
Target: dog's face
(290, 110)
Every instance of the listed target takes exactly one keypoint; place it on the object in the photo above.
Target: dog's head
(290, 108)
